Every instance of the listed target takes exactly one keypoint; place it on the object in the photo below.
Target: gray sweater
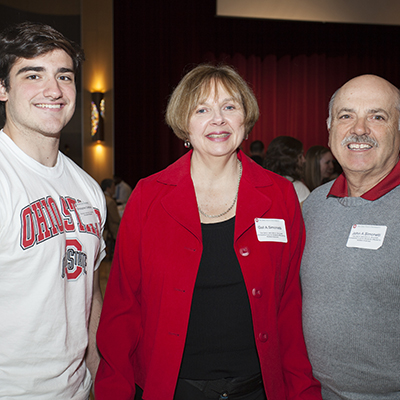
(351, 297)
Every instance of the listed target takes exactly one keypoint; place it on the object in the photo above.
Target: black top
(220, 339)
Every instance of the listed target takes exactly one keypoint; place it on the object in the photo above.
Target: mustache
(359, 139)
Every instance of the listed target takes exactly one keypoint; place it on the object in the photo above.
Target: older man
(351, 270)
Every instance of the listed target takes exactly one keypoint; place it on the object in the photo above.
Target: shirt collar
(339, 187)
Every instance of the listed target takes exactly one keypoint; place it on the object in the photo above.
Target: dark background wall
(293, 67)
(70, 26)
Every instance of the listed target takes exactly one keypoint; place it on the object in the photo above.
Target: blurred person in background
(319, 166)
(285, 156)
(122, 191)
(113, 218)
(257, 153)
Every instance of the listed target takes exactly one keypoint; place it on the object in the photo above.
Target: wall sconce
(97, 116)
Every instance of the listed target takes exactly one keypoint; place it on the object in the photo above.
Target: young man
(350, 271)
(51, 220)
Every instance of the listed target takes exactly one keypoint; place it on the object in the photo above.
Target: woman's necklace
(234, 200)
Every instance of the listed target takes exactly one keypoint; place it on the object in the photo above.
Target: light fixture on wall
(97, 116)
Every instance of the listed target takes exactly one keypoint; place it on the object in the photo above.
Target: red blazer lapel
(252, 202)
(180, 203)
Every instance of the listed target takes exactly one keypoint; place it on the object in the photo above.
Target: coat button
(244, 251)
(256, 292)
(263, 337)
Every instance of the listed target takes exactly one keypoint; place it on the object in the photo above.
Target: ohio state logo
(42, 220)
(74, 261)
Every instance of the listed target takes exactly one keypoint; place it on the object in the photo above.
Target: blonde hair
(196, 86)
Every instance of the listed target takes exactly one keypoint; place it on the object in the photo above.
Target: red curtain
(291, 93)
(293, 68)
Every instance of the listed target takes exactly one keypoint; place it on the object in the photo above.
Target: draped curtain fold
(293, 68)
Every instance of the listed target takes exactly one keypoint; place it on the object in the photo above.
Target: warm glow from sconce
(99, 150)
(98, 87)
(97, 81)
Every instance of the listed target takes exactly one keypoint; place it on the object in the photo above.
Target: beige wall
(97, 72)
(345, 11)
(97, 41)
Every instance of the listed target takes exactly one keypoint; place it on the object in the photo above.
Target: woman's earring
(187, 144)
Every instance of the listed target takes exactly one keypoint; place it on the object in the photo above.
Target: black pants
(220, 389)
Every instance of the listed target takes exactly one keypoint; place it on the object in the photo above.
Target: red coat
(146, 310)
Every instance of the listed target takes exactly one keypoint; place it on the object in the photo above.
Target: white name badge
(366, 236)
(86, 213)
(271, 230)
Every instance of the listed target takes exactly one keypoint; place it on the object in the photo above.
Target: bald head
(364, 133)
(367, 83)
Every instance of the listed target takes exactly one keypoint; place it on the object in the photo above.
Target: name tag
(270, 230)
(86, 213)
(366, 236)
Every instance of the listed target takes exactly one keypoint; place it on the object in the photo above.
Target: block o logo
(74, 261)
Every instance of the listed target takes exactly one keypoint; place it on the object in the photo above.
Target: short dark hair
(30, 40)
(282, 157)
(106, 183)
(257, 146)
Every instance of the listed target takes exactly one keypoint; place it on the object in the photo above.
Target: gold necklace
(234, 200)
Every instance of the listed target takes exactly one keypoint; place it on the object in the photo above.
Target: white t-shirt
(300, 188)
(51, 223)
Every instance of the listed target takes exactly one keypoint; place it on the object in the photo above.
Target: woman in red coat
(203, 299)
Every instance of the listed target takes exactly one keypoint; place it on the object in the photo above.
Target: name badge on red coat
(270, 230)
